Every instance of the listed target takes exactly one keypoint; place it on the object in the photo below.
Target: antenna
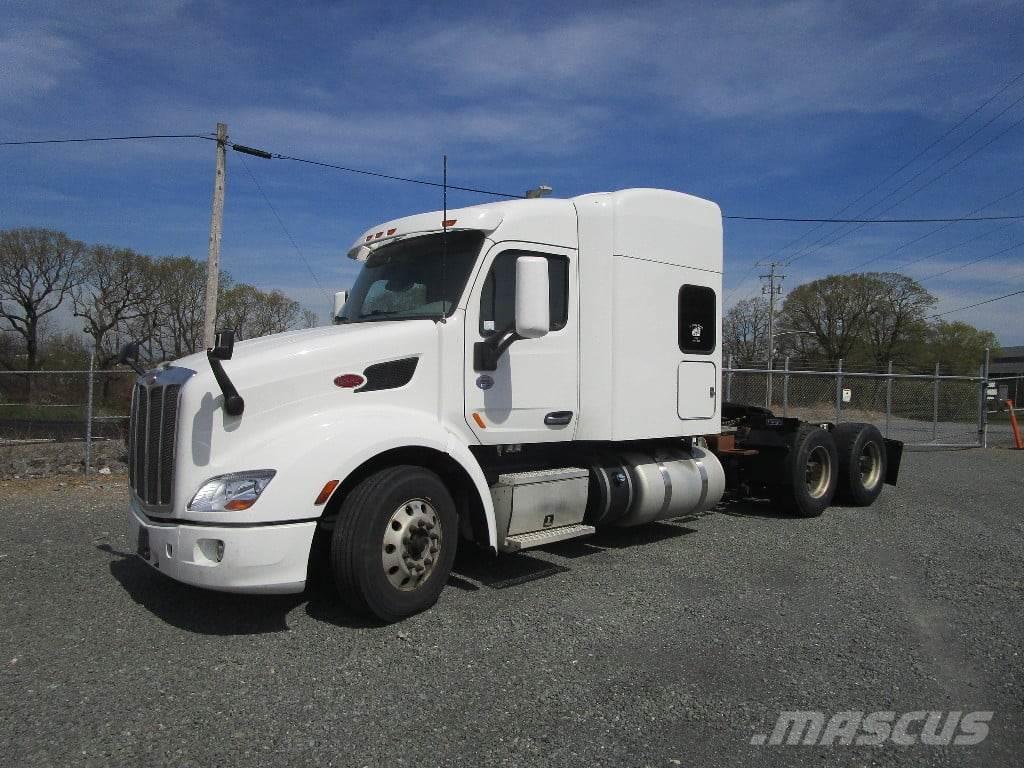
(444, 237)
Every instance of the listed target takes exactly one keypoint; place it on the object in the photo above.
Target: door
(532, 396)
(697, 385)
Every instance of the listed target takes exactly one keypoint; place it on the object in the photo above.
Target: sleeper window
(698, 313)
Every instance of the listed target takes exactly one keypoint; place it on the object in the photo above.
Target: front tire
(394, 543)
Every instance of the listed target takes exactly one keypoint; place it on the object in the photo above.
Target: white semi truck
(510, 374)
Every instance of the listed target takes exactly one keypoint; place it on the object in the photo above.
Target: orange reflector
(369, 238)
(448, 222)
(239, 504)
(479, 420)
(391, 231)
(326, 492)
(380, 234)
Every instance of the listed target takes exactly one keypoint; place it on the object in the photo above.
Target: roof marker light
(448, 223)
(369, 238)
(379, 234)
(392, 231)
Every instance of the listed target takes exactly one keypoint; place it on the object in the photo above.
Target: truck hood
(290, 376)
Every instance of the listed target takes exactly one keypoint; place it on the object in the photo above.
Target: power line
(283, 227)
(840, 235)
(110, 138)
(926, 235)
(972, 262)
(977, 304)
(379, 175)
(953, 247)
(909, 162)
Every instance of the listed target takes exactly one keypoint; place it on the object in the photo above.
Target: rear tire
(862, 463)
(394, 543)
(810, 473)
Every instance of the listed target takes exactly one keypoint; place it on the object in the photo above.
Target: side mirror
(223, 345)
(533, 313)
(339, 303)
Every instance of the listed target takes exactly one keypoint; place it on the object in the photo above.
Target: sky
(800, 109)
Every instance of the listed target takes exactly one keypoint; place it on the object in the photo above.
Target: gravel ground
(667, 645)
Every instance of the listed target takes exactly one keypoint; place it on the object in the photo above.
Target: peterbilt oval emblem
(483, 381)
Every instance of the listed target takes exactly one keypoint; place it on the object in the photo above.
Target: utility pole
(216, 222)
(773, 289)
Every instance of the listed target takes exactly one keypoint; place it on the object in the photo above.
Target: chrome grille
(152, 439)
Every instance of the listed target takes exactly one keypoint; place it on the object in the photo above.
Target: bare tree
(251, 312)
(38, 269)
(745, 330)
(310, 319)
(117, 287)
(170, 324)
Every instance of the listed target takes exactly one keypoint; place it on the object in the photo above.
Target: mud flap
(893, 456)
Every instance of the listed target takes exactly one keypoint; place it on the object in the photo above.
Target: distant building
(1008, 366)
(1009, 362)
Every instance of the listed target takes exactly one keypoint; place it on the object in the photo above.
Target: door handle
(558, 418)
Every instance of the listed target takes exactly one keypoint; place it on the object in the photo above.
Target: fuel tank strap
(703, 483)
(667, 479)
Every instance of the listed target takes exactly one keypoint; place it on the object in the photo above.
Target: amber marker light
(325, 493)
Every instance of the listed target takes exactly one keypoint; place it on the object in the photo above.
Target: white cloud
(709, 60)
(33, 62)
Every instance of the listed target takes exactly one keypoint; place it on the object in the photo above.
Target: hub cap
(819, 472)
(870, 465)
(412, 544)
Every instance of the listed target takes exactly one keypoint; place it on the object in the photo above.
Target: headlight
(231, 493)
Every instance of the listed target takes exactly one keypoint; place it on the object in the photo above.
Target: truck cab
(504, 375)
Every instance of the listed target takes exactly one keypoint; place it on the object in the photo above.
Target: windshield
(403, 280)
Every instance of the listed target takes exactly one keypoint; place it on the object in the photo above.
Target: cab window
(498, 299)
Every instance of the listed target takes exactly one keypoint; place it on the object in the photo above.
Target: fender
(331, 445)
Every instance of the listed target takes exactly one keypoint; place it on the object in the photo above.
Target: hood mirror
(223, 345)
(129, 355)
(339, 304)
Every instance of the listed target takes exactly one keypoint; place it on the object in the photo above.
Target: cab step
(546, 536)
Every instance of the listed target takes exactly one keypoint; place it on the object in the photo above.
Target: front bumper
(268, 559)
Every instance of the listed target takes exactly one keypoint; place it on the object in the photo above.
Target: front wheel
(394, 542)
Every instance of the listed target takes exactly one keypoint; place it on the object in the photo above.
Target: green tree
(958, 347)
(834, 311)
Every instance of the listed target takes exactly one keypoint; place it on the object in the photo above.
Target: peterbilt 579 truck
(508, 375)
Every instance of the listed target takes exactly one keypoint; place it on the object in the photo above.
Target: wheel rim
(412, 545)
(870, 464)
(818, 472)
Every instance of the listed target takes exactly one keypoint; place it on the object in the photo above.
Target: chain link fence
(86, 411)
(83, 412)
(934, 409)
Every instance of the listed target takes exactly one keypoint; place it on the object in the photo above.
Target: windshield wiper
(378, 312)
